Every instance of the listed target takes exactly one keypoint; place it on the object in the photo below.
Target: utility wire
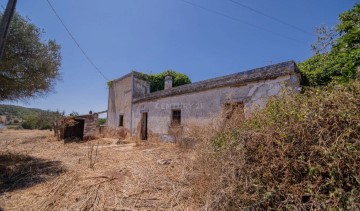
(270, 17)
(76, 42)
(239, 20)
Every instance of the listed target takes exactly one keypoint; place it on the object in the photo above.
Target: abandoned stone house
(132, 108)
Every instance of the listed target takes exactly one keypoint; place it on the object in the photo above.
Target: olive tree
(29, 66)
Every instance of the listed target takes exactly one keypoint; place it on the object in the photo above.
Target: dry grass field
(39, 173)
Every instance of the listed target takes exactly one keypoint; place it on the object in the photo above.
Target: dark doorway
(75, 131)
(121, 120)
(176, 117)
(143, 132)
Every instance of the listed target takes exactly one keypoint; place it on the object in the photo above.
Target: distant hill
(19, 111)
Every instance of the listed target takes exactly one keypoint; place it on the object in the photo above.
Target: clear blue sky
(155, 35)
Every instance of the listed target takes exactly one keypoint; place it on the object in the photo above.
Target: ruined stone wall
(119, 102)
(82, 127)
(107, 132)
(201, 107)
(90, 130)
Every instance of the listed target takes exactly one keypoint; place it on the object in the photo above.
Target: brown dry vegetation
(39, 173)
(302, 152)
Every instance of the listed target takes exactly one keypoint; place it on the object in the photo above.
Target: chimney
(168, 81)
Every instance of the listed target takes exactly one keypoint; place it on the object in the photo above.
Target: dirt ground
(39, 173)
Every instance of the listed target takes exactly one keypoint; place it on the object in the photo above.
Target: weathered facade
(132, 108)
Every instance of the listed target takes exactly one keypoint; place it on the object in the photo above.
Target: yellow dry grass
(39, 173)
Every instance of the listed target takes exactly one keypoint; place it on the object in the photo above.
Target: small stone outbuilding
(82, 127)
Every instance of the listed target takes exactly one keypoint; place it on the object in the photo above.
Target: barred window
(176, 117)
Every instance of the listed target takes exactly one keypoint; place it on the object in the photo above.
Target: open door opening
(144, 132)
(75, 131)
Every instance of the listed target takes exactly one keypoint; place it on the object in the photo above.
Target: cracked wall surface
(200, 108)
(119, 102)
(199, 102)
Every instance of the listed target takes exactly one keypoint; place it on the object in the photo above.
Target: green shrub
(157, 80)
(340, 63)
(101, 121)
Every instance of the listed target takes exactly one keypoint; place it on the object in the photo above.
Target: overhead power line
(270, 17)
(239, 20)
(76, 42)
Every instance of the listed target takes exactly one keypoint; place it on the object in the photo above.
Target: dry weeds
(301, 152)
(122, 177)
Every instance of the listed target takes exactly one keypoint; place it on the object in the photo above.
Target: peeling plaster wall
(199, 102)
(119, 102)
(201, 107)
(141, 87)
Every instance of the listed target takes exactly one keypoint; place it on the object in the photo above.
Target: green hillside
(19, 111)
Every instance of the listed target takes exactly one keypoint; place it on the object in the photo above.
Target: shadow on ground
(19, 171)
